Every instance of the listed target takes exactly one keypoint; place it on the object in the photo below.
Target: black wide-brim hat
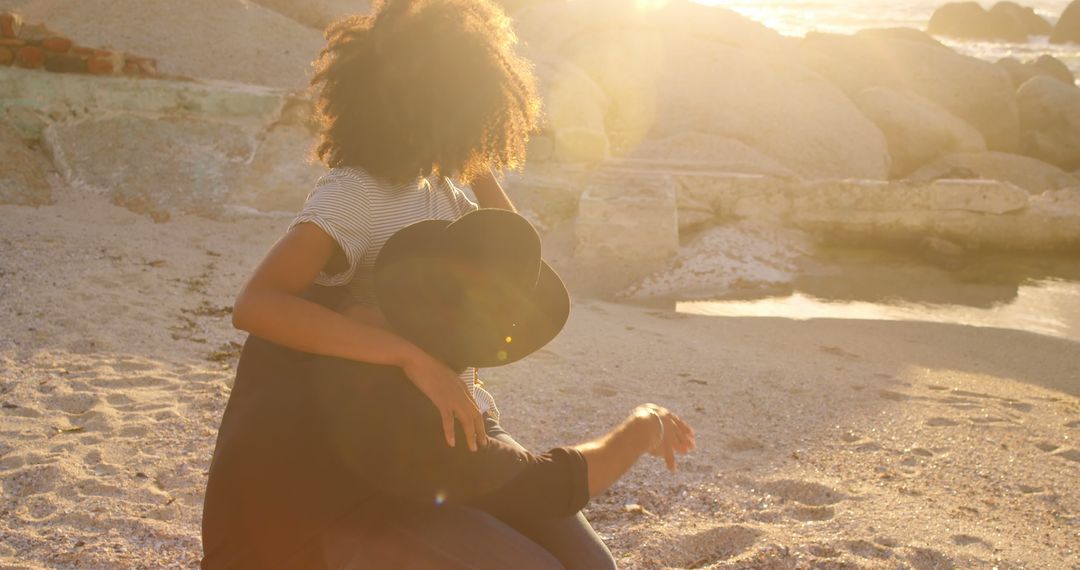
(473, 292)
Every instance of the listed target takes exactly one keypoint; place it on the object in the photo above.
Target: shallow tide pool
(1041, 296)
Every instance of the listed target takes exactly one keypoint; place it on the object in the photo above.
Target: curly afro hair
(424, 86)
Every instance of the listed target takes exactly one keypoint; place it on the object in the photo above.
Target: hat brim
(424, 299)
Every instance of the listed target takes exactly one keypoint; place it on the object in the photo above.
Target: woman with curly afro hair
(345, 445)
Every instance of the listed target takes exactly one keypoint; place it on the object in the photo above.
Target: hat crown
(474, 292)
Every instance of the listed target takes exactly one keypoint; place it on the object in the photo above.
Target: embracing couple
(357, 434)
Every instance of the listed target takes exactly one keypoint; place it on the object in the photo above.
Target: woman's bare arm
(489, 194)
(270, 306)
(616, 452)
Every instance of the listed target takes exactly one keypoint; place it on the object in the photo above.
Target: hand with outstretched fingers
(673, 434)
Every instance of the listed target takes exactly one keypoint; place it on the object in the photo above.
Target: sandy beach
(687, 152)
(823, 443)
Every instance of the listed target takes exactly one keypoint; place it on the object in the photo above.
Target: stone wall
(35, 46)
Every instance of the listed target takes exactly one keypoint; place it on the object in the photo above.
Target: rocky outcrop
(627, 226)
(1028, 173)
(976, 91)
(22, 174)
(694, 150)
(691, 68)
(1032, 23)
(917, 130)
(975, 214)
(1067, 28)
(1006, 21)
(901, 34)
(74, 95)
(970, 20)
(574, 111)
(316, 14)
(35, 46)
(1044, 65)
(1050, 118)
(153, 166)
(229, 40)
(279, 175)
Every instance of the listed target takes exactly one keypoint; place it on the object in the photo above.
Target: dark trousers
(456, 537)
(313, 444)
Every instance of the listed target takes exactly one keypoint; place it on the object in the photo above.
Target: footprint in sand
(711, 546)
(803, 492)
(968, 540)
(867, 549)
(1055, 450)
(837, 351)
(740, 444)
(72, 403)
(929, 559)
(1070, 454)
(1018, 405)
(605, 390)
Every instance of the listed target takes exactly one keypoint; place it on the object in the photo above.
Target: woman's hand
(449, 394)
(672, 434)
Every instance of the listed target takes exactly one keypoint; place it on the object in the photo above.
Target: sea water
(797, 17)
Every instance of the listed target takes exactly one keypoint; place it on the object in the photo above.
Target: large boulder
(700, 151)
(280, 174)
(1044, 65)
(627, 226)
(574, 112)
(546, 27)
(154, 166)
(1050, 118)
(1028, 173)
(770, 103)
(22, 176)
(901, 34)
(970, 20)
(1032, 23)
(917, 129)
(1067, 28)
(977, 91)
(690, 68)
(317, 14)
(231, 40)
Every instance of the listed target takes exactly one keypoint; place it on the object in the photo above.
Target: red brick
(12, 42)
(10, 23)
(64, 63)
(35, 33)
(57, 45)
(6, 56)
(99, 65)
(30, 57)
(132, 68)
(147, 66)
(83, 50)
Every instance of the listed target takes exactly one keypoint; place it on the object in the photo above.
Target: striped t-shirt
(360, 213)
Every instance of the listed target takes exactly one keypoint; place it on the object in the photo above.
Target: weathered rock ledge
(975, 215)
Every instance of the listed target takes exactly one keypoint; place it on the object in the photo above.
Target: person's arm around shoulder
(490, 194)
(270, 306)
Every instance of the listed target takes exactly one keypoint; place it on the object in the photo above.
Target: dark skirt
(307, 440)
